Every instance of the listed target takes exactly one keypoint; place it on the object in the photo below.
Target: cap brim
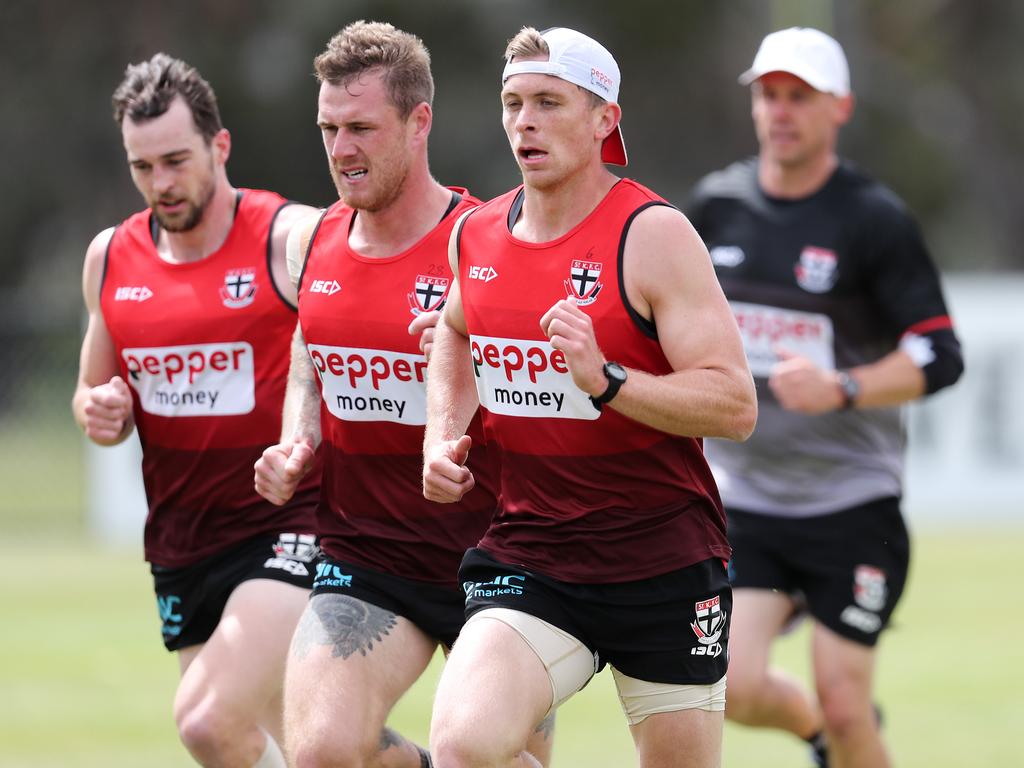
(613, 150)
(796, 70)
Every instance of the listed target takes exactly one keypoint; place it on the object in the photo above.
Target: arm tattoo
(345, 623)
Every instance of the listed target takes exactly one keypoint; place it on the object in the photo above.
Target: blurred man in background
(602, 348)
(371, 274)
(190, 319)
(843, 320)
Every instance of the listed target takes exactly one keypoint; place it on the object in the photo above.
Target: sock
(272, 756)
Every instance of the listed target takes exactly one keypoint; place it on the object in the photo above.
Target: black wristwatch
(616, 376)
(850, 389)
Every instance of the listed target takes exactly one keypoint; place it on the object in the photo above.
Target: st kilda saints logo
(239, 289)
(584, 282)
(708, 627)
(429, 293)
(817, 270)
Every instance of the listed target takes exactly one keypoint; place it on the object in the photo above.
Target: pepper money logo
(193, 379)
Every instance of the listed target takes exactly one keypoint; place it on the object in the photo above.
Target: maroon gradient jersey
(587, 496)
(204, 347)
(355, 312)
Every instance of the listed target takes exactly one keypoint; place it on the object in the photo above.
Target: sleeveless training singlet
(204, 347)
(586, 495)
(355, 312)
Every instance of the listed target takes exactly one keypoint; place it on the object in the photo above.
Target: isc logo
(327, 287)
(482, 273)
(132, 293)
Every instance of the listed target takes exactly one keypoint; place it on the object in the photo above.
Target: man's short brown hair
(149, 87)
(402, 58)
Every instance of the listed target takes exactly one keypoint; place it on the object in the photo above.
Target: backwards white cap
(811, 55)
(583, 61)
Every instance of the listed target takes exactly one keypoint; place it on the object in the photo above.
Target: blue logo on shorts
(328, 575)
(171, 620)
(498, 586)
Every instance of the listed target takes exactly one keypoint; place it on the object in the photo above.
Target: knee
(452, 747)
(845, 714)
(206, 730)
(330, 751)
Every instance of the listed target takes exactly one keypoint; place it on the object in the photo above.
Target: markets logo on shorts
(372, 384)
(584, 282)
(816, 272)
(239, 289)
(521, 377)
(292, 552)
(497, 587)
(708, 627)
(193, 379)
(170, 615)
(428, 293)
(328, 575)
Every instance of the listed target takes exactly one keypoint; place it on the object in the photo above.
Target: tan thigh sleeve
(641, 699)
(568, 662)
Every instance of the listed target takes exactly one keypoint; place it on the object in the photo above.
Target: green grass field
(84, 679)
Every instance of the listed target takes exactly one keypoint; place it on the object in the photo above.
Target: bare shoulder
(663, 253)
(92, 270)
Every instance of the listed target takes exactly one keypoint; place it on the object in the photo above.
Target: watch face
(615, 371)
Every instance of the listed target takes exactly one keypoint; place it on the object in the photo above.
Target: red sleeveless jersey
(355, 312)
(204, 347)
(587, 496)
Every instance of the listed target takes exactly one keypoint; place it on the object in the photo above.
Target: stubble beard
(195, 211)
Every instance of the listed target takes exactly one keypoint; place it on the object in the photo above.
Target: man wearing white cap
(587, 322)
(843, 320)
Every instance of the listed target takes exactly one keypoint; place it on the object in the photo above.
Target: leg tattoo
(345, 623)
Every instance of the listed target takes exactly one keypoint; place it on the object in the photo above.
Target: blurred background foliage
(939, 85)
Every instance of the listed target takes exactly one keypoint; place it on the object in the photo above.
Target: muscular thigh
(349, 663)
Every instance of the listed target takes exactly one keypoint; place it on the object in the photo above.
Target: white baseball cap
(811, 55)
(583, 61)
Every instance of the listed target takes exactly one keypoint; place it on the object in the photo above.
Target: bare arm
(451, 401)
(669, 278)
(282, 466)
(102, 403)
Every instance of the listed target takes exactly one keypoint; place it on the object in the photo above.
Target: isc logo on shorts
(193, 379)
(521, 377)
(372, 384)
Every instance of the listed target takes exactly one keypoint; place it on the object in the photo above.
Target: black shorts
(850, 566)
(436, 610)
(192, 599)
(671, 628)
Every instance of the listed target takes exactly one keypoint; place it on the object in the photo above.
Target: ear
(844, 108)
(221, 146)
(610, 115)
(420, 120)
